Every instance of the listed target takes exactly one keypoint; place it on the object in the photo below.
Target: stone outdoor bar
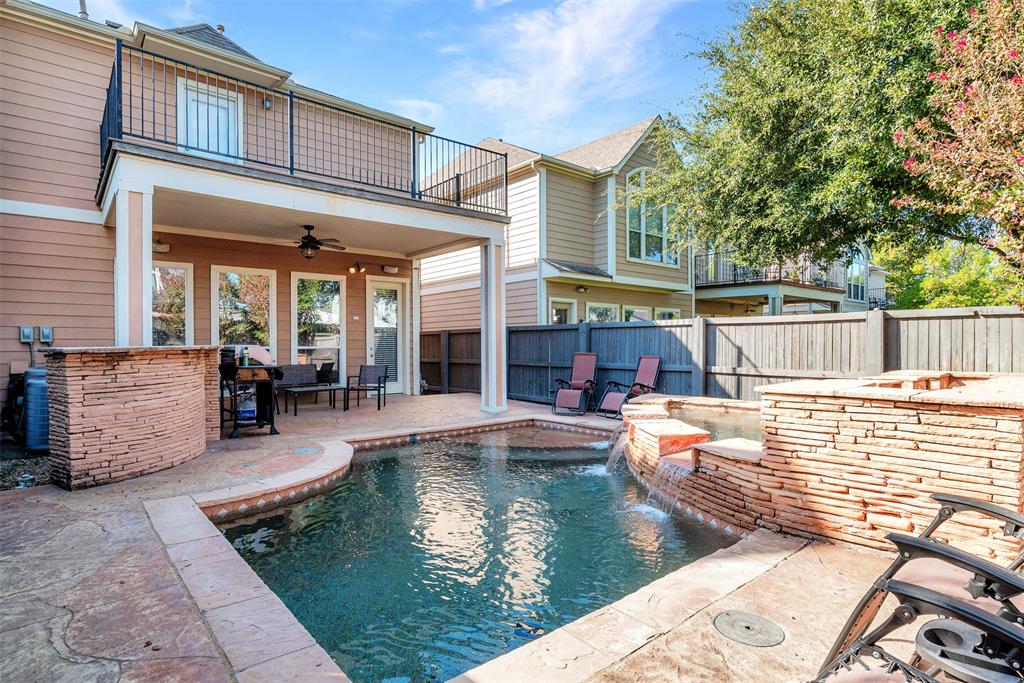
(852, 460)
(118, 413)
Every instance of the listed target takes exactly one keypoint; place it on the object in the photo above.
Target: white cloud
(543, 66)
(425, 111)
(182, 13)
(99, 10)
(451, 49)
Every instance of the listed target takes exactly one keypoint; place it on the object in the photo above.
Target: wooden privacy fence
(728, 357)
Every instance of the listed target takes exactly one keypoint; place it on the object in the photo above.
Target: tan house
(156, 184)
(574, 252)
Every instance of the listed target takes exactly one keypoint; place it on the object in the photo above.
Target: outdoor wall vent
(390, 269)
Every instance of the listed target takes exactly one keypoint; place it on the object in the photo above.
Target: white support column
(416, 271)
(775, 304)
(133, 269)
(492, 328)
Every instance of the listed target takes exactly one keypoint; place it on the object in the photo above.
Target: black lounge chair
(945, 570)
(964, 643)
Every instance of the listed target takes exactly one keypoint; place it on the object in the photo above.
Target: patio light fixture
(357, 267)
(581, 289)
(309, 250)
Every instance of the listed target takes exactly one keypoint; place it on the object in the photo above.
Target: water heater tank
(37, 410)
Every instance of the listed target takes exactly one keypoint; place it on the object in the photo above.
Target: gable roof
(516, 154)
(204, 33)
(607, 151)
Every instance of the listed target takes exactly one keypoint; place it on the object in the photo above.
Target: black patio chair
(923, 560)
(370, 378)
(325, 373)
(963, 643)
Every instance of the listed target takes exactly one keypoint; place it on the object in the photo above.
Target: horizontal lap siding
(58, 273)
(52, 94)
(460, 308)
(521, 236)
(570, 218)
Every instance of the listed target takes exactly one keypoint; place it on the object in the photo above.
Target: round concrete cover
(749, 629)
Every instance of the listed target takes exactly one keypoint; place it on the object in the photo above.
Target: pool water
(723, 424)
(435, 557)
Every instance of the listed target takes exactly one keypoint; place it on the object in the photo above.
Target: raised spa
(435, 557)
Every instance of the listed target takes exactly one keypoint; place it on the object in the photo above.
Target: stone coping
(948, 388)
(125, 349)
(581, 648)
(671, 402)
(736, 448)
(258, 634)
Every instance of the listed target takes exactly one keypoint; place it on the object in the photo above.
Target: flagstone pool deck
(90, 592)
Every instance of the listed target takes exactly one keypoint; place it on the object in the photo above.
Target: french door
(386, 334)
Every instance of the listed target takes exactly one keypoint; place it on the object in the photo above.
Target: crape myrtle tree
(791, 147)
(970, 151)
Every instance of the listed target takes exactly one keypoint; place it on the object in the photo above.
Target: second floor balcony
(179, 107)
(719, 269)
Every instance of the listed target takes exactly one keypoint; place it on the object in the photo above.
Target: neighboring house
(155, 184)
(574, 252)
(723, 288)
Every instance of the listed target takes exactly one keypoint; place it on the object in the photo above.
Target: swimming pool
(435, 557)
(722, 424)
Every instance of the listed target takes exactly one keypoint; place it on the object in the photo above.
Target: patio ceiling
(176, 211)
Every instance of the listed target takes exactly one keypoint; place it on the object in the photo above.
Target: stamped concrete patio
(89, 592)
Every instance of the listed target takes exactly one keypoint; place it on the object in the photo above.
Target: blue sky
(545, 75)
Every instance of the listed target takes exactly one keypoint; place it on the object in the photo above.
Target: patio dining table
(331, 389)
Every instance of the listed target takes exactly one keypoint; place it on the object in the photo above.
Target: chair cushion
(568, 398)
(612, 401)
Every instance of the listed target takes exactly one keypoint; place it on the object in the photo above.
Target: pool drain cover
(749, 629)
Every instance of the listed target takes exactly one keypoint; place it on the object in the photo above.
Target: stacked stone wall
(118, 413)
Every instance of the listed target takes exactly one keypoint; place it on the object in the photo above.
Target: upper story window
(209, 120)
(647, 236)
(857, 277)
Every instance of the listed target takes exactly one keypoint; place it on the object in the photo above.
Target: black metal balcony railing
(878, 297)
(193, 109)
(720, 269)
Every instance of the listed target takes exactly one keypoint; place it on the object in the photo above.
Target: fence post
(698, 339)
(583, 337)
(874, 342)
(444, 360)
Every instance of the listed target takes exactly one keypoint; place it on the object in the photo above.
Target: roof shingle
(516, 154)
(204, 33)
(607, 151)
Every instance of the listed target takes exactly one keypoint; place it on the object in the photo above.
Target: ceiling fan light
(308, 250)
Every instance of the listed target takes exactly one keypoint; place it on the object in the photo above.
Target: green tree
(952, 274)
(791, 148)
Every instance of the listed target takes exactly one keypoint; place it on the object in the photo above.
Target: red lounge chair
(573, 396)
(644, 381)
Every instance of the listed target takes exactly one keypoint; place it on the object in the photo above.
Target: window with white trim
(244, 305)
(602, 313)
(173, 307)
(667, 314)
(318, 325)
(857, 277)
(647, 237)
(562, 311)
(635, 313)
(209, 120)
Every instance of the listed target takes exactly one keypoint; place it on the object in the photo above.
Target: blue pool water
(432, 558)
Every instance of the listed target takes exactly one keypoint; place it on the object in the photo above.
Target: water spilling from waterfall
(666, 485)
(616, 447)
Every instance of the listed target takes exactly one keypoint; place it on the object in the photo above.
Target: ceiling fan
(310, 245)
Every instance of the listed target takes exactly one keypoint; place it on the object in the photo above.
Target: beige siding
(644, 156)
(460, 309)
(57, 273)
(570, 218)
(521, 236)
(203, 252)
(52, 93)
(619, 297)
(599, 199)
